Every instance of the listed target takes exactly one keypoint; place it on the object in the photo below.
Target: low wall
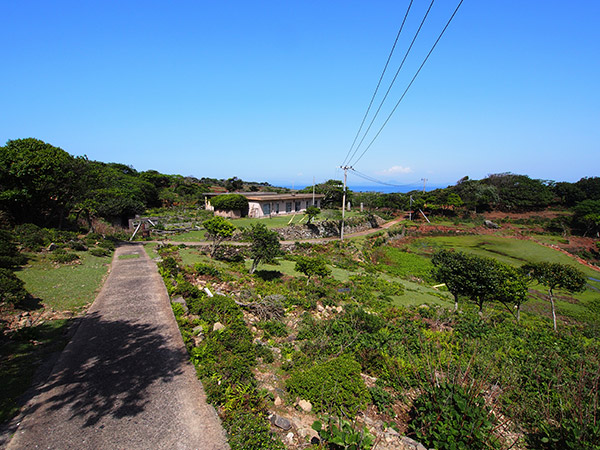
(328, 228)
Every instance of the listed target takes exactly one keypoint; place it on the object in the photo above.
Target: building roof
(272, 196)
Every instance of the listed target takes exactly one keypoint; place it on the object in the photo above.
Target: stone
(281, 422)
(305, 405)
(289, 437)
(320, 307)
(490, 224)
(182, 302)
(278, 401)
(339, 309)
(198, 330)
(218, 326)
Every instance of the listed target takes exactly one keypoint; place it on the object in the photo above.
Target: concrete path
(124, 381)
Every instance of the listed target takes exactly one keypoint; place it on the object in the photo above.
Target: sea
(383, 189)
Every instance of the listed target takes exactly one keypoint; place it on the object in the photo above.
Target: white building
(267, 204)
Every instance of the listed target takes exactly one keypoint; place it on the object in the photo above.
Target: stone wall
(329, 228)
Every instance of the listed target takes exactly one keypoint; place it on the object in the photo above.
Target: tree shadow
(268, 275)
(108, 369)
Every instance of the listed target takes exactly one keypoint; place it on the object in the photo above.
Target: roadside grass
(64, 287)
(21, 355)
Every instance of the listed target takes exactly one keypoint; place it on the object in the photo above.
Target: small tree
(311, 267)
(511, 289)
(451, 268)
(218, 230)
(312, 212)
(264, 247)
(556, 276)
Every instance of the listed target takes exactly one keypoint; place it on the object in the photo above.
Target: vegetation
(312, 267)
(264, 245)
(230, 202)
(218, 229)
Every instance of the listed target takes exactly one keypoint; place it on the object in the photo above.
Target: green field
(65, 287)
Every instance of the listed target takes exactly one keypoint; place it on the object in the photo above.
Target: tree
(312, 212)
(230, 202)
(234, 184)
(556, 276)
(218, 230)
(451, 268)
(264, 247)
(311, 267)
(511, 289)
(587, 215)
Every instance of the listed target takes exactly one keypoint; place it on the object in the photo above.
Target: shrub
(230, 202)
(273, 328)
(449, 417)
(63, 257)
(100, 252)
(206, 269)
(9, 253)
(342, 434)
(11, 287)
(334, 385)
(250, 431)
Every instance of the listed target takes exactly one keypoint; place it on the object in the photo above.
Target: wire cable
(410, 84)
(379, 82)
(374, 180)
(394, 79)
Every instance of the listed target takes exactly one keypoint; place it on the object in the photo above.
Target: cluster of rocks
(34, 318)
(327, 228)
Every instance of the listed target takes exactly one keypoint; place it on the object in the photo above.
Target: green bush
(99, 252)
(335, 385)
(449, 417)
(273, 328)
(11, 288)
(343, 434)
(63, 257)
(9, 253)
(206, 269)
(230, 202)
(250, 431)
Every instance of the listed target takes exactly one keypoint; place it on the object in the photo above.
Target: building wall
(273, 208)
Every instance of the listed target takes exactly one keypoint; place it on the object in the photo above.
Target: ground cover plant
(513, 385)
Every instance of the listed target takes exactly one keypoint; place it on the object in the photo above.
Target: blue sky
(275, 90)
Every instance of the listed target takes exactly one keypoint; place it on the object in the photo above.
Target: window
(288, 207)
(277, 208)
(297, 206)
(267, 209)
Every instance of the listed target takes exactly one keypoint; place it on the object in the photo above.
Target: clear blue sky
(275, 90)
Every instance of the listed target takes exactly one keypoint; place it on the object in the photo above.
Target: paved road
(124, 381)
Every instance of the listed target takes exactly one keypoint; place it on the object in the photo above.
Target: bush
(250, 431)
(273, 328)
(230, 202)
(449, 417)
(9, 253)
(100, 252)
(333, 385)
(61, 256)
(11, 287)
(206, 269)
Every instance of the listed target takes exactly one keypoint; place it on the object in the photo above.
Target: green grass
(132, 256)
(21, 356)
(66, 287)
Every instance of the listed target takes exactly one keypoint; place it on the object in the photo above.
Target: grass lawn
(65, 287)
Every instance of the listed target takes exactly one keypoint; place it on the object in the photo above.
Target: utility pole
(313, 191)
(424, 180)
(345, 168)
(410, 209)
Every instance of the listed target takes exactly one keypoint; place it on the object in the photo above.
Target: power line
(410, 84)
(374, 180)
(394, 79)
(379, 82)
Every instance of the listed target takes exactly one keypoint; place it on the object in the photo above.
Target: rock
(490, 224)
(182, 302)
(305, 405)
(320, 307)
(278, 401)
(339, 309)
(289, 437)
(308, 433)
(198, 330)
(411, 443)
(218, 326)
(281, 422)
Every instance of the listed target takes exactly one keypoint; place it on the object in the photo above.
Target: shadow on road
(108, 369)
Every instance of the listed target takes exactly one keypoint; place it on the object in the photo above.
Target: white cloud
(394, 170)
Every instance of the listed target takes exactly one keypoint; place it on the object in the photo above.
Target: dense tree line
(45, 185)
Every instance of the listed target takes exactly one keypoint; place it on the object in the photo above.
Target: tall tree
(264, 247)
(556, 276)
